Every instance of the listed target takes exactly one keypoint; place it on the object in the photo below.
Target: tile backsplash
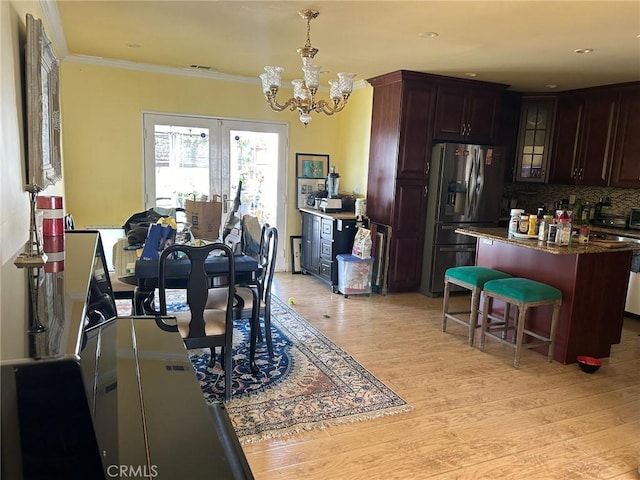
(531, 196)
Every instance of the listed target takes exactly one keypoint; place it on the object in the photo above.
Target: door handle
(225, 203)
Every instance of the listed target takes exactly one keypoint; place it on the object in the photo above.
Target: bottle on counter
(543, 229)
(585, 213)
(533, 222)
(524, 224)
(514, 220)
(563, 235)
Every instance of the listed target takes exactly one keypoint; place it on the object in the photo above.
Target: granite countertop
(501, 235)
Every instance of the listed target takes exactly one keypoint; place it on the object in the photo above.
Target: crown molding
(52, 18)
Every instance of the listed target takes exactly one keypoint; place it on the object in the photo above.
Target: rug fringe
(308, 427)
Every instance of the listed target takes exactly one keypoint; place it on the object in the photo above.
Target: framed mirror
(44, 167)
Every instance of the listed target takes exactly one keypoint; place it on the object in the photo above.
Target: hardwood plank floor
(474, 416)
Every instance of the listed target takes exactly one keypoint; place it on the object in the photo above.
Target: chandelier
(304, 90)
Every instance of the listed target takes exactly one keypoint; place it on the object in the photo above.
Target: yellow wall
(102, 147)
(102, 121)
(14, 200)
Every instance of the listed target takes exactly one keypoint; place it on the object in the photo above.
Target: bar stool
(472, 278)
(524, 294)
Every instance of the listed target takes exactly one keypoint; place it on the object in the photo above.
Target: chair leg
(227, 361)
(473, 315)
(522, 315)
(445, 305)
(552, 333)
(485, 320)
(212, 357)
(267, 328)
(254, 330)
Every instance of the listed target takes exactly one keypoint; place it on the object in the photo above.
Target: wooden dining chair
(254, 300)
(203, 326)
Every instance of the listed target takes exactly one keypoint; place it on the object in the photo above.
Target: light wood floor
(474, 417)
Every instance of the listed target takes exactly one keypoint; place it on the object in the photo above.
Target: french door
(201, 157)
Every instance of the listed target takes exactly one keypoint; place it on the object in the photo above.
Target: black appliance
(465, 190)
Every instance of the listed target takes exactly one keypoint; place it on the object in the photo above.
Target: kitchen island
(593, 279)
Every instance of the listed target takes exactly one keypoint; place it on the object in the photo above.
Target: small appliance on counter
(634, 218)
(613, 221)
(333, 202)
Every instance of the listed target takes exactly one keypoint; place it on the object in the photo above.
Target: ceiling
(525, 44)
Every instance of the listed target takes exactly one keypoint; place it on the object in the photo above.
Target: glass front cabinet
(534, 139)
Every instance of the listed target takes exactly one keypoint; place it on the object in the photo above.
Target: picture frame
(312, 165)
(306, 186)
(44, 166)
(296, 253)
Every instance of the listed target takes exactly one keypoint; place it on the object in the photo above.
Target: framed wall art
(296, 253)
(44, 167)
(312, 165)
(305, 186)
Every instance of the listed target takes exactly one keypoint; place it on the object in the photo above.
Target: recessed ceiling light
(471, 74)
(583, 50)
(428, 34)
(133, 45)
(551, 85)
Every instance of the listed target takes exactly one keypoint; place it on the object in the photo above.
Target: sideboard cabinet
(324, 236)
(410, 111)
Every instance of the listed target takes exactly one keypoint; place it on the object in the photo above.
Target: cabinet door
(311, 243)
(418, 103)
(405, 264)
(534, 140)
(596, 153)
(564, 157)
(450, 113)
(626, 165)
(481, 110)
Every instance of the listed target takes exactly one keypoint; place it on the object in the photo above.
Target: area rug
(310, 384)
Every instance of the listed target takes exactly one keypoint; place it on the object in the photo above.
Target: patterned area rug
(310, 384)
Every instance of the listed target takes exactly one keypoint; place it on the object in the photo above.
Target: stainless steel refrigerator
(465, 189)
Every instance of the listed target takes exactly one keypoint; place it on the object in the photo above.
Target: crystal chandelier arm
(328, 108)
(291, 104)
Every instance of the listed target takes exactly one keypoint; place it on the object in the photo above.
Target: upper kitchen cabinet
(467, 111)
(534, 139)
(403, 123)
(584, 137)
(626, 157)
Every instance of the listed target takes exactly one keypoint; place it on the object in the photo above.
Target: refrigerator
(465, 190)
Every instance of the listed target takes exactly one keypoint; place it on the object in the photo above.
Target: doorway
(205, 157)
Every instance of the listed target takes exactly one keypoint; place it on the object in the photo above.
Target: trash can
(354, 275)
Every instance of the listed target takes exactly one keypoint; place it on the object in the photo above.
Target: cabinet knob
(468, 129)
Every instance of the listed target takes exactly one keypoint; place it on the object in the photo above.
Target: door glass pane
(181, 164)
(254, 161)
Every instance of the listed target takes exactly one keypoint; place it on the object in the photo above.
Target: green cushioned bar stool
(523, 294)
(471, 278)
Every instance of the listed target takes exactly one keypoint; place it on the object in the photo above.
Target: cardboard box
(205, 218)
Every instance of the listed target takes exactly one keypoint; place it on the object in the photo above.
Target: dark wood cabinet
(324, 236)
(401, 138)
(626, 162)
(586, 131)
(466, 113)
(410, 111)
(534, 138)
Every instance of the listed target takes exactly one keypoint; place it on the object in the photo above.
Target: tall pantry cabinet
(403, 107)
(408, 115)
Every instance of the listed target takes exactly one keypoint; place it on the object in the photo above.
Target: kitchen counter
(331, 216)
(501, 235)
(593, 280)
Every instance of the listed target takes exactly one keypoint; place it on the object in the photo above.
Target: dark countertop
(501, 235)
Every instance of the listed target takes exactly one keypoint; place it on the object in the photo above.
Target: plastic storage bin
(354, 275)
